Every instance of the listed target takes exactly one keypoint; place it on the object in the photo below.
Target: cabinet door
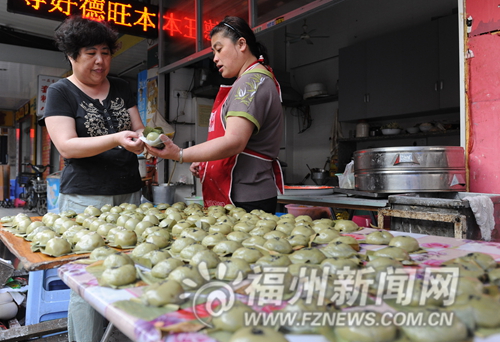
(352, 82)
(384, 77)
(449, 62)
(420, 75)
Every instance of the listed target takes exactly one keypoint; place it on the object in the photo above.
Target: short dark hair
(236, 28)
(77, 32)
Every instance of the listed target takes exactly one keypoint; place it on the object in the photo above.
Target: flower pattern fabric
(95, 122)
(247, 94)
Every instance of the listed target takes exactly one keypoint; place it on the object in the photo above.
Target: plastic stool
(48, 297)
(18, 188)
(12, 192)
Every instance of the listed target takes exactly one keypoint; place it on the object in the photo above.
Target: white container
(53, 185)
(193, 200)
(391, 131)
(362, 129)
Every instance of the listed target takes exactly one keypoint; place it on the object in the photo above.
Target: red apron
(217, 176)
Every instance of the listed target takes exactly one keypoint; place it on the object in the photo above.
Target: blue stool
(18, 188)
(12, 192)
(48, 297)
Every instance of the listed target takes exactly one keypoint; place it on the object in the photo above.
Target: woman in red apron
(238, 163)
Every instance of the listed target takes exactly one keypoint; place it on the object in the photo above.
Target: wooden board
(34, 261)
(26, 332)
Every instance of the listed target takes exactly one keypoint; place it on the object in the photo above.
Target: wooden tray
(34, 261)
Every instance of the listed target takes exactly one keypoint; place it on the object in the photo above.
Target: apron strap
(278, 173)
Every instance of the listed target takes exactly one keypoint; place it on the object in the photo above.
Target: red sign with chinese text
(131, 17)
(176, 24)
(43, 84)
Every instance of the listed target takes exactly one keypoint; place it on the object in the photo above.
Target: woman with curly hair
(94, 123)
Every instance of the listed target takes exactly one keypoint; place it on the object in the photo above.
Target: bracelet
(181, 152)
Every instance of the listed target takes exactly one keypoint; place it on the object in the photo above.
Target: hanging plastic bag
(157, 124)
(159, 121)
(346, 181)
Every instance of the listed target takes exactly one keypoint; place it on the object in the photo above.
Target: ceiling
(21, 65)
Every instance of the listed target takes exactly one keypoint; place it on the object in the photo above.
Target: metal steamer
(410, 169)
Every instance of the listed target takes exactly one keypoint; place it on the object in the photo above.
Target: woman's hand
(63, 134)
(234, 141)
(195, 169)
(130, 141)
(170, 151)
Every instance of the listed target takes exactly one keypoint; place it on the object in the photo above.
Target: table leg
(108, 332)
(372, 217)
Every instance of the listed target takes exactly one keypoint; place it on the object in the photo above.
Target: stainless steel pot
(410, 169)
(320, 176)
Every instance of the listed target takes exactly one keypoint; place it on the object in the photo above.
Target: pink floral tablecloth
(437, 250)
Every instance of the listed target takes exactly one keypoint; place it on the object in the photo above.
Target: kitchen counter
(336, 201)
(340, 201)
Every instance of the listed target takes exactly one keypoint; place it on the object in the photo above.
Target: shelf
(208, 91)
(431, 113)
(404, 136)
(182, 123)
(311, 101)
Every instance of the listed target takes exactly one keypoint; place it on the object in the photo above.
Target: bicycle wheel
(7, 203)
(41, 206)
(30, 198)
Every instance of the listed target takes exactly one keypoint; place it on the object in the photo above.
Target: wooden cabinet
(404, 72)
(449, 62)
(421, 74)
(384, 76)
(352, 82)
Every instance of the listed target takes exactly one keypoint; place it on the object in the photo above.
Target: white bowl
(413, 130)
(426, 126)
(314, 90)
(391, 131)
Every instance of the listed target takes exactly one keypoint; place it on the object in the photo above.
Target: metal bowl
(314, 89)
(320, 176)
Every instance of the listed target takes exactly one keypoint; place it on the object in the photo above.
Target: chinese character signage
(179, 24)
(43, 84)
(6, 118)
(131, 17)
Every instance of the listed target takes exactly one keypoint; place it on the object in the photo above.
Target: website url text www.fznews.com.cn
(349, 318)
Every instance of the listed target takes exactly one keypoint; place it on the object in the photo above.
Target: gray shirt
(254, 96)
